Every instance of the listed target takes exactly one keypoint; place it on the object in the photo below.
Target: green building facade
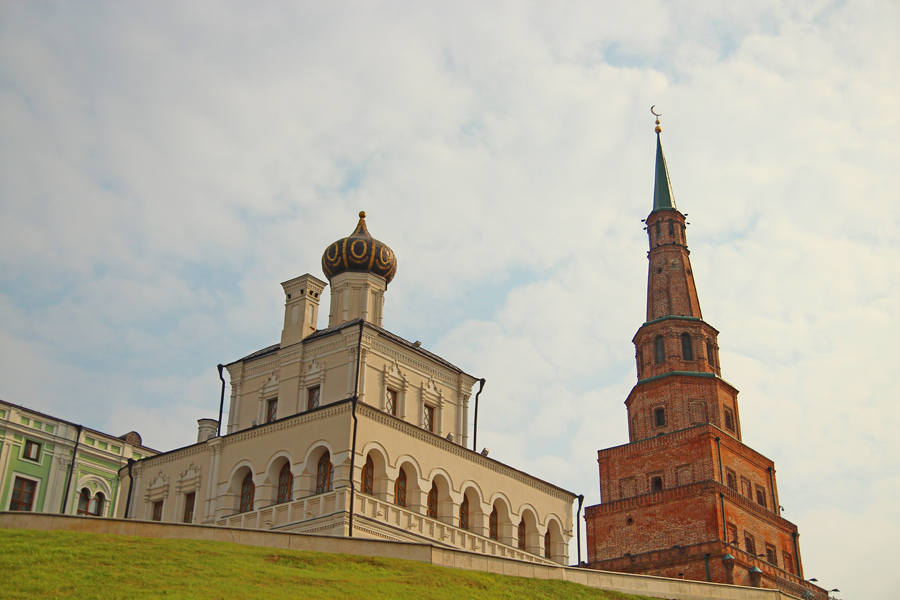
(54, 466)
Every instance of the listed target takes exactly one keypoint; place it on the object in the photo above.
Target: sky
(165, 165)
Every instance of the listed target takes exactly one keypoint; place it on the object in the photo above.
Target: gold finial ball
(658, 129)
(362, 214)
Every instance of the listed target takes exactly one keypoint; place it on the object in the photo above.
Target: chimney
(206, 429)
(301, 308)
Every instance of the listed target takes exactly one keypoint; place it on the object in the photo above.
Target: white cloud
(163, 168)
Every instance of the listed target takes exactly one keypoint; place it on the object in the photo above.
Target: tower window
(749, 544)
(771, 555)
(657, 232)
(732, 534)
(761, 496)
(659, 349)
(710, 354)
(731, 480)
(687, 350)
(788, 561)
(428, 418)
(671, 227)
(729, 419)
(271, 410)
(659, 416)
(656, 484)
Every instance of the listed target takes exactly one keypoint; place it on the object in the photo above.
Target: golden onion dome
(359, 252)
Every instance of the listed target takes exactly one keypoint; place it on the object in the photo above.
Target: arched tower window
(464, 513)
(659, 349)
(494, 525)
(247, 492)
(324, 474)
(710, 353)
(285, 484)
(671, 228)
(687, 349)
(433, 501)
(400, 489)
(368, 476)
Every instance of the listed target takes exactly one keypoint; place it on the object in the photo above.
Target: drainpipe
(775, 508)
(221, 401)
(719, 451)
(724, 523)
(706, 561)
(481, 381)
(131, 462)
(65, 507)
(578, 525)
(354, 400)
(795, 535)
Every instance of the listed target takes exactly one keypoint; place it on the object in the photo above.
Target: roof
(321, 333)
(662, 187)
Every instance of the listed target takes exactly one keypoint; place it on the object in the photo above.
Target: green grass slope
(62, 564)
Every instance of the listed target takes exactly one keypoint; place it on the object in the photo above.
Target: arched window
(433, 501)
(522, 534)
(400, 489)
(84, 501)
(657, 232)
(687, 349)
(494, 525)
(247, 492)
(659, 349)
(671, 227)
(464, 513)
(656, 484)
(547, 544)
(368, 483)
(710, 353)
(96, 506)
(285, 484)
(324, 474)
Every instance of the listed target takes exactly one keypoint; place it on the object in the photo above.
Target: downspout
(795, 535)
(65, 507)
(706, 561)
(724, 522)
(578, 525)
(481, 381)
(775, 508)
(354, 400)
(221, 401)
(131, 462)
(719, 451)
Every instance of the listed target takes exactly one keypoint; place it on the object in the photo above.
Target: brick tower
(685, 497)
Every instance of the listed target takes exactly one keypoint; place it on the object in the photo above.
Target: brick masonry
(685, 498)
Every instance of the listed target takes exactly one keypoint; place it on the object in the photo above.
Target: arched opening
(368, 477)
(400, 489)
(248, 490)
(659, 350)
(97, 503)
(464, 513)
(554, 544)
(324, 474)
(84, 501)
(494, 525)
(433, 501)
(687, 349)
(528, 537)
(520, 534)
(505, 528)
(285, 484)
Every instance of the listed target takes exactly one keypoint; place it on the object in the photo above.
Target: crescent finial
(655, 114)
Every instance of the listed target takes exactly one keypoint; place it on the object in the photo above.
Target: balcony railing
(377, 512)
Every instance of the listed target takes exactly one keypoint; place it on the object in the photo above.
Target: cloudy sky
(164, 166)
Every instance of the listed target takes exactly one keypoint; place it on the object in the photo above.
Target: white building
(352, 431)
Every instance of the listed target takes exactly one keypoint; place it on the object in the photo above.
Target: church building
(686, 497)
(351, 431)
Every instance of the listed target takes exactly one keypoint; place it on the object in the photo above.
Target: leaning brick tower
(685, 497)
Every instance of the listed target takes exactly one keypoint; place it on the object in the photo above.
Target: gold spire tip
(362, 214)
(657, 115)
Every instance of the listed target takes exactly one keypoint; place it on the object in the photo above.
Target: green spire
(662, 189)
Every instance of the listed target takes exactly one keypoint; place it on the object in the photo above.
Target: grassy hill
(62, 564)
